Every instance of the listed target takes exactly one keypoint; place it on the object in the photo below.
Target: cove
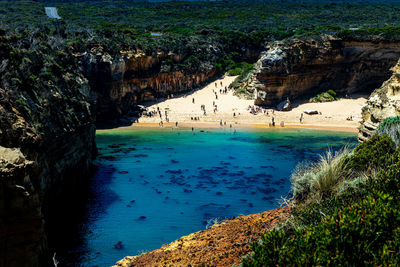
(153, 185)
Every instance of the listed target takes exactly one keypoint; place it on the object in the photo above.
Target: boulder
(310, 112)
(284, 105)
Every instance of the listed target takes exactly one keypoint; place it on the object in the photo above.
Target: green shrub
(372, 154)
(327, 96)
(389, 180)
(365, 233)
(235, 72)
(391, 127)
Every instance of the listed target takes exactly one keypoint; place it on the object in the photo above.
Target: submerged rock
(119, 245)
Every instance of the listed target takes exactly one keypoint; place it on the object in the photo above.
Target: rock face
(300, 67)
(21, 217)
(132, 77)
(384, 102)
(221, 245)
(47, 136)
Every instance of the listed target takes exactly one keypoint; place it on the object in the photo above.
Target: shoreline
(202, 125)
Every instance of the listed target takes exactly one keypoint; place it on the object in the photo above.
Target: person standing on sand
(220, 122)
(215, 85)
(221, 83)
(176, 124)
(301, 118)
(193, 100)
(273, 121)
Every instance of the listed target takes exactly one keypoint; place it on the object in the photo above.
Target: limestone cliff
(46, 138)
(131, 77)
(384, 102)
(300, 67)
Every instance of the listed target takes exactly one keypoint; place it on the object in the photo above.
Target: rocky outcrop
(47, 136)
(131, 77)
(300, 67)
(22, 229)
(384, 102)
(223, 244)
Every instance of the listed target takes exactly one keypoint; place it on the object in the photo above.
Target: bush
(327, 96)
(235, 72)
(365, 233)
(372, 154)
(318, 181)
(391, 127)
(304, 216)
(389, 180)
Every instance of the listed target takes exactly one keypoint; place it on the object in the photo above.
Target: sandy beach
(235, 111)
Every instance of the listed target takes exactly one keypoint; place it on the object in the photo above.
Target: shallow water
(155, 185)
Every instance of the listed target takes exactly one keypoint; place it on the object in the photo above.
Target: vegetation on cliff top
(42, 91)
(201, 31)
(345, 211)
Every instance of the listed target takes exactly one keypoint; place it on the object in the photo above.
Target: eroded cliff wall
(384, 102)
(131, 77)
(300, 67)
(46, 139)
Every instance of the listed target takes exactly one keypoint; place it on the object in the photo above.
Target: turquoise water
(154, 185)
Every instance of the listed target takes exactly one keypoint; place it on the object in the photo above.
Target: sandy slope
(181, 109)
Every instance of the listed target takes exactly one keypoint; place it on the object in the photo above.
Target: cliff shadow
(68, 218)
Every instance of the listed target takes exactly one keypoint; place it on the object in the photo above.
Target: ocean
(154, 185)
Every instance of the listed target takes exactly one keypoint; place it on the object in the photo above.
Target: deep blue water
(155, 185)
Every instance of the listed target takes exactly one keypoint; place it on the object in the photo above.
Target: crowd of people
(218, 91)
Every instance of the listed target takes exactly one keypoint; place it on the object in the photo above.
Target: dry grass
(312, 182)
